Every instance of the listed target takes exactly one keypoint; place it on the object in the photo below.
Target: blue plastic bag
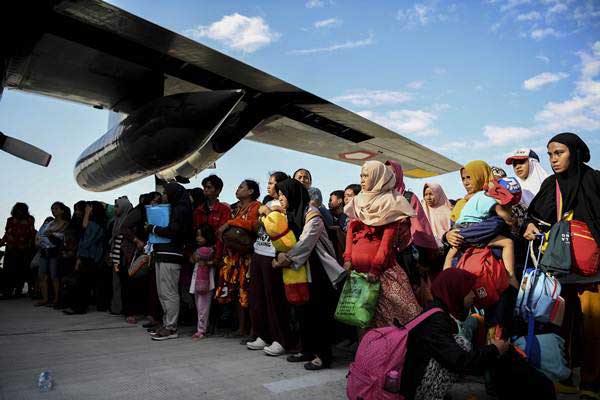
(158, 216)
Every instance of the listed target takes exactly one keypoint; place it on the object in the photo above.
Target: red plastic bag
(585, 253)
(492, 278)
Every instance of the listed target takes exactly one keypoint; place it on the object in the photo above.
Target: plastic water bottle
(392, 382)
(45, 381)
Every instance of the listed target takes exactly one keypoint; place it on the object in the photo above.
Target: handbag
(585, 251)
(557, 256)
(491, 276)
(140, 266)
(358, 300)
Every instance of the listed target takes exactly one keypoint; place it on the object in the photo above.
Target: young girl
(203, 283)
(493, 202)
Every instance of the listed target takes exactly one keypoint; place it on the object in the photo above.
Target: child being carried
(484, 216)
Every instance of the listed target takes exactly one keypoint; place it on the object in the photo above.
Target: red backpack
(492, 278)
(380, 351)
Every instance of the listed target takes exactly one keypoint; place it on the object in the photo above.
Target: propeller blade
(24, 150)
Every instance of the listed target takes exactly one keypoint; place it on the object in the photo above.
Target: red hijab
(450, 287)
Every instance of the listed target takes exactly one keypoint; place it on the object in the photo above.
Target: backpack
(491, 276)
(380, 351)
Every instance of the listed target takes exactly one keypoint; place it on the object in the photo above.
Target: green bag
(358, 301)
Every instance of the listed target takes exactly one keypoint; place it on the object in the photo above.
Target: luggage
(381, 351)
(549, 357)
(557, 248)
(539, 294)
(158, 215)
(585, 252)
(492, 278)
(358, 300)
(140, 266)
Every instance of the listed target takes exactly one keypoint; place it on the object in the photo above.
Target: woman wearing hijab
(376, 213)
(438, 352)
(529, 173)
(169, 257)
(315, 250)
(135, 290)
(303, 176)
(474, 176)
(420, 230)
(437, 209)
(579, 187)
(122, 207)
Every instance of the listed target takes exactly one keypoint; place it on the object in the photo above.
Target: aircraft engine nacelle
(156, 137)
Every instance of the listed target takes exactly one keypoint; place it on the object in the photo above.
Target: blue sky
(472, 80)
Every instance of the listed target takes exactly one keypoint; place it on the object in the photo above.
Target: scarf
(420, 229)
(438, 215)
(378, 204)
(579, 187)
(450, 287)
(480, 173)
(125, 205)
(298, 202)
(531, 185)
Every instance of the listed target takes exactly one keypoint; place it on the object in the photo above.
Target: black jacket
(433, 338)
(180, 226)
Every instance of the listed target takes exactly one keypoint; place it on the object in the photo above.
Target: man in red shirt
(212, 212)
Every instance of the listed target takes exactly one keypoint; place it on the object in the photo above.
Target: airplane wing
(94, 53)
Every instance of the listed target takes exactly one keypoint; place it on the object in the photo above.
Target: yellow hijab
(480, 173)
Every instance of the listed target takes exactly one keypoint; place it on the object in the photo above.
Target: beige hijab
(378, 204)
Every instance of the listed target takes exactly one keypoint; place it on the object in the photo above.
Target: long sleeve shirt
(246, 217)
(314, 238)
(215, 216)
(370, 249)
(91, 244)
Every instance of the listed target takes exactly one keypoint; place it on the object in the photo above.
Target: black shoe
(299, 357)
(71, 312)
(150, 325)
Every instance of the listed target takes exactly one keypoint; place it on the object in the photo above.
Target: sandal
(316, 364)
(589, 395)
(131, 320)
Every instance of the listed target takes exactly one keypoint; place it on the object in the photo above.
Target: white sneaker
(275, 349)
(258, 344)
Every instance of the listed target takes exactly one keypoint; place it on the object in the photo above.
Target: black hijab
(579, 187)
(298, 202)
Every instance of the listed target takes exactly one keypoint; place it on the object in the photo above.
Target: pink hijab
(420, 229)
(439, 214)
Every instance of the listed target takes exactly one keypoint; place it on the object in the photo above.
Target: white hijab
(531, 185)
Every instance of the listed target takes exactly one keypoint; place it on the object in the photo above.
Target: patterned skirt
(396, 299)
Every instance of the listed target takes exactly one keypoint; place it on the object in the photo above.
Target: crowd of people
(215, 265)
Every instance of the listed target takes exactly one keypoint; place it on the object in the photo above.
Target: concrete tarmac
(100, 356)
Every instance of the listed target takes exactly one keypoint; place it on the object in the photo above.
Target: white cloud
(582, 111)
(531, 16)
(543, 58)
(513, 4)
(543, 79)
(314, 3)
(502, 135)
(424, 13)
(327, 23)
(334, 47)
(238, 32)
(539, 34)
(415, 85)
(370, 98)
(558, 8)
(439, 71)
(417, 122)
